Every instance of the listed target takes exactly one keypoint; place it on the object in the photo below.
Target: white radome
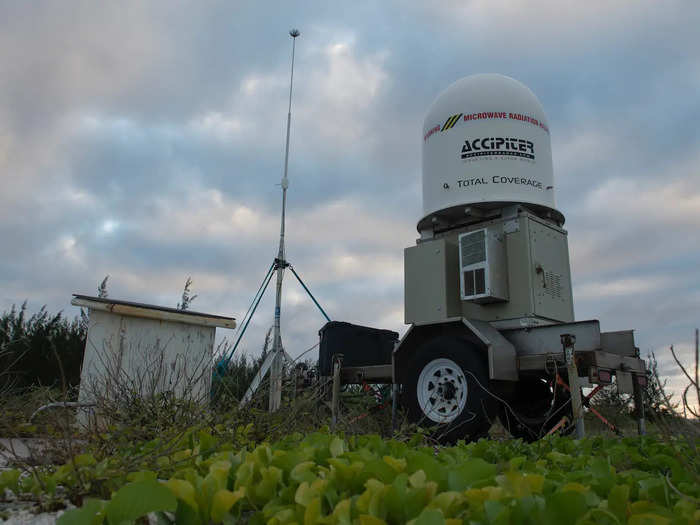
(485, 143)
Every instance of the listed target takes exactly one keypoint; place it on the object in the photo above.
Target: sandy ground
(10, 448)
(25, 517)
(20, 512)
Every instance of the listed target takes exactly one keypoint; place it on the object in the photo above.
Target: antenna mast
(280, 262)
(273, 361)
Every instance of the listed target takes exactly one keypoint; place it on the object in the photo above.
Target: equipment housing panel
(533, 288)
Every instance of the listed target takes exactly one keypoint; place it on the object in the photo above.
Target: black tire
(456, 406)
(534, 408)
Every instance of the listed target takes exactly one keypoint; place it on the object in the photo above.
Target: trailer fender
(501, 353)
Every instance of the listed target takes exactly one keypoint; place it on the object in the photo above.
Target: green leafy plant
(178, 461)
(325, 478)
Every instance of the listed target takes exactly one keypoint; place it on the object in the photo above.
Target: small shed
(143, 349)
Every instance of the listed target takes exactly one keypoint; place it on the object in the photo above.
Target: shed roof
(151, 311)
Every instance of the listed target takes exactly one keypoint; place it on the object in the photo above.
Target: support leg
(568, 342)
(576, 404)
(394, 405)
(255, 383)
(639, 408)
(276, 381)
(335, 400)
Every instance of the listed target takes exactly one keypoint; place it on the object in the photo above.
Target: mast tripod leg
(277, 350)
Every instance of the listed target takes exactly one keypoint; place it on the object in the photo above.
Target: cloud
(640, 221)
(560, 28)
(663, 201)
(621, 287)
(333, 103)
(344, 93)
(146, 141)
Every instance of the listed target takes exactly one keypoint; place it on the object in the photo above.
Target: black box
(360, 345)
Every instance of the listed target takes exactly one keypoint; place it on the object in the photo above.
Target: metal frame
(579, 347)
(546, 339)
(578, 363)
(586, 360)
(367, 374)
(501, 352)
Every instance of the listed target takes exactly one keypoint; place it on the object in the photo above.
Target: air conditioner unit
(482, 261)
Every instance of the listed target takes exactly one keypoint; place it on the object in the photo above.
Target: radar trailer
(488, 293)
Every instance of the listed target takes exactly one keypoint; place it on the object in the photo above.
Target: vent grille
(482, 266)
(552, 282)
(473, 248)
(475, 282)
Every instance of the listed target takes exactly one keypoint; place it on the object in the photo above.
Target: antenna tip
(294, 33)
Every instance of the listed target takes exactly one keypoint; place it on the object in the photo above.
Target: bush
(40, 350)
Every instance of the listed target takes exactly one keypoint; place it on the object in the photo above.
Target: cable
(304, 353)
(497, 398)
(243, 321)
(269, 277)
(272, 266)
(310, 294)
(551, 412)
(513, 412)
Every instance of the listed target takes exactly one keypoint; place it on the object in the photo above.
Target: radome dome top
(486, 143)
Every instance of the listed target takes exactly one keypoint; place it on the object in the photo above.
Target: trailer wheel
(444, 390)
(534, 408)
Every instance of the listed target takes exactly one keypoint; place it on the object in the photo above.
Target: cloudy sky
(145, 140)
